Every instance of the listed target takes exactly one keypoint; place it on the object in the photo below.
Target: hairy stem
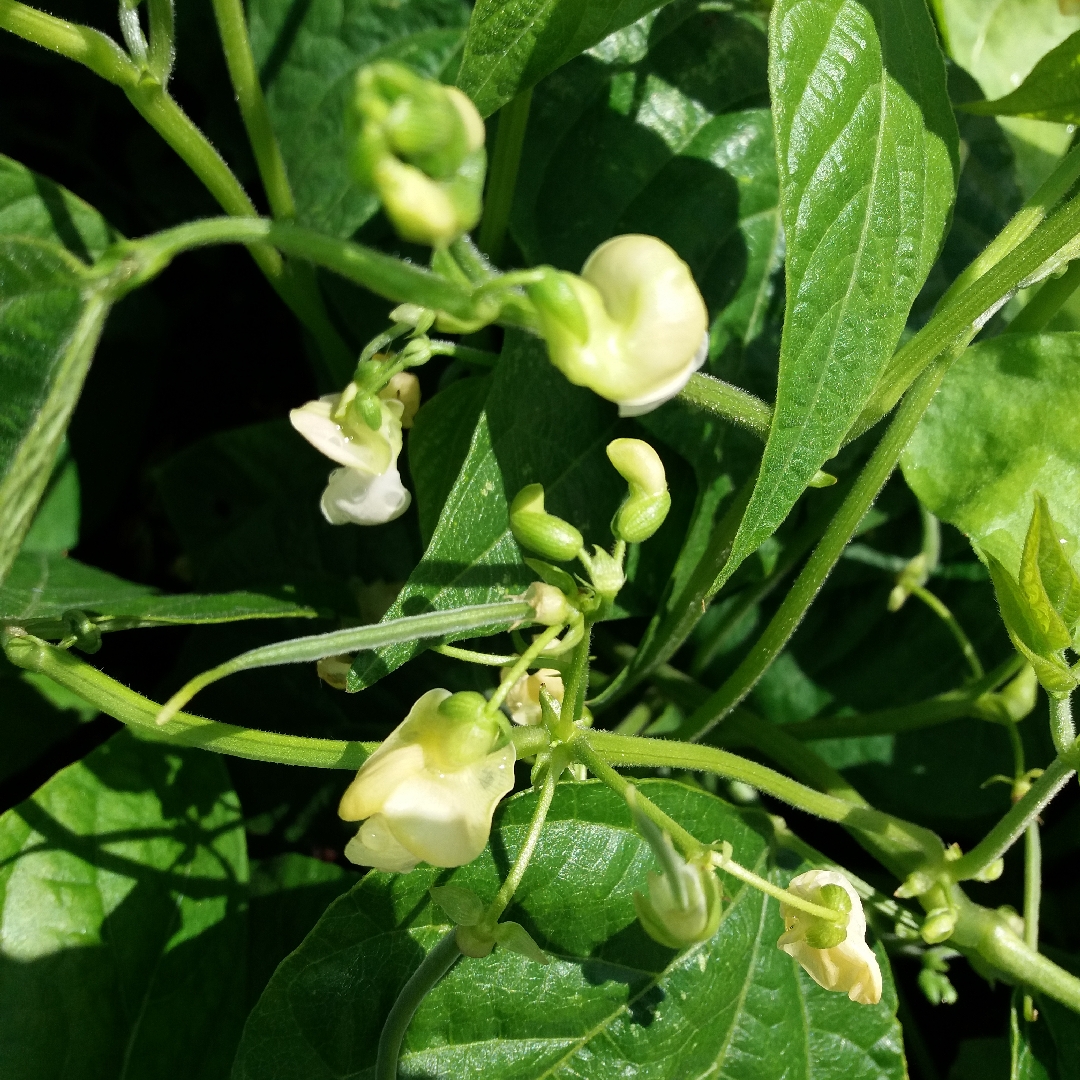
(1062, 728)
(729, 402)
(957, 631)
(521, 666)
(1046, 303)
(422, 981)
(1015, 822)
(136, 711)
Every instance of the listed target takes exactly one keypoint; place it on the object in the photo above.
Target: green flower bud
(647, 505)
(420, 145)
(549, 603)
(938, 925)
(540, 531)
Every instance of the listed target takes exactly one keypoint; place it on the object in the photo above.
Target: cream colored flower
(523, 700)
(368, 490)
(403, 387)
(850, 966)
(645, 326)
(429, 792)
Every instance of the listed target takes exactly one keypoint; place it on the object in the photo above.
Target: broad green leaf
(55, 527)
(245, 506)
(307, 55)
(1049, 1048)
(611, 1003)
(31, 205)
(44, 586)
(513, 44)
(122, 942)
(867, 149)
(999, 43)
(288, 895)
(1047, 577)
(438, 444)
(50, 322)
(660, 130)
(535, 428)
(1005, 424)
(1050, 92)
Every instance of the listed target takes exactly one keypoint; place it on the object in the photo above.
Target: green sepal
(514, 936)
(462, 906)
(553, 575)
(553, 295)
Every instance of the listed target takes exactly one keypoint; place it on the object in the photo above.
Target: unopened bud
(647, 505)
(991, 872)
(938, 925)
(549, 603)
(334, 670)
(540, 531)
(403, 387)
(1020, 694)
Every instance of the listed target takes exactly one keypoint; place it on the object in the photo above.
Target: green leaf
(659, 130)
(307, 55)
(1050, 92)
(610, 1003)
(31, 205)
(288, 895)
(513, 44)
(535, 428)
(1051, 558)
(56, 524)
(1005, 424)
(999, 43)
(50, 323)
(121, 887)
(867, 149)
(44, 586)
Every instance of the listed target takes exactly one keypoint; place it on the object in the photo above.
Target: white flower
(368, 490)
(523, 700)
(429, 792)
(353, 495)
(635, 328)
(851, 965)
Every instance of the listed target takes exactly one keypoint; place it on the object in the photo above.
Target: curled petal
(375, 845)
(359, 447)
(850, 966)
(669, 389)
(356, 496)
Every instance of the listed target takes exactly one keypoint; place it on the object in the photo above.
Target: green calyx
(821, 934)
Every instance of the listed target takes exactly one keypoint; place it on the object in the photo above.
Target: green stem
(1015, 822)
(577, 683)
(730, 402)
(470, 657)
(907, 845)
(1024, 222)
(960, 318)
(1046, 303)
(957, 631)
(232, 26)
(517, 871)
(502, 180)
(136, 711)
(521, 666)
(434, 624)
(987, 933)
(689, 843)
(1032, 884)
(1062, 728)
(162, 45)
(824, 558)
(422, 981)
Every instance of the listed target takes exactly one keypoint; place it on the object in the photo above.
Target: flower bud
(549, 603)
(540, 531)
(647, 505)
(938, 925)
(633, 327)
(420, 145)
(429, 792)
(683, 903)
(834, 956)
(403, 387)
(523, 700)
(334, 670)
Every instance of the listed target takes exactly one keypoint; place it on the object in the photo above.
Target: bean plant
(644, 645)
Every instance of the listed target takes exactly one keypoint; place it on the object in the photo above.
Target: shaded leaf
(307, 52)
(611, 1002)
(535, 428)
(513, 44)
(121, 888)
(867, 149)
(44, 586)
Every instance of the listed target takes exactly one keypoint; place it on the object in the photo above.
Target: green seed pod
(540, 531)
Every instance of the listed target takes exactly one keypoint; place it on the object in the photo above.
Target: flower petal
(375, 845)
(356, 497)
